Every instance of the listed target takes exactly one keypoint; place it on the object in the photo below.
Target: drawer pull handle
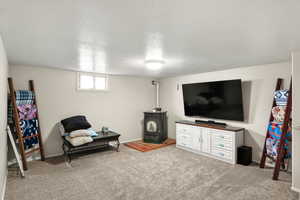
(221, 154)
(221, 145)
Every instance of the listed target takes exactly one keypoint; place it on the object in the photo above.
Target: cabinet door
(196, 138)
(206, 140)
(179, 139)
(184, 140)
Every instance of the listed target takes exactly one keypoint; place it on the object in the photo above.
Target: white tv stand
(215, 141)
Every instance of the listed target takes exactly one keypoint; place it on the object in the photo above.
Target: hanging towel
(27, 111)
(281, 97)
(30, 131)
(272, 143)
(278, 113)
(24, 97)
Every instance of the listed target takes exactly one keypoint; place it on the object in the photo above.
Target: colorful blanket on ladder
(27, 112)
(272, 142)
(30, 132)
(24, 97)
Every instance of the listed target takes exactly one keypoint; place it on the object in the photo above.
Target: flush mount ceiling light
(154, 64)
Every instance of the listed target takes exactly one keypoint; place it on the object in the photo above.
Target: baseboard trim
(126, 141)
(4, 187)
(295, 189)
(54, 155)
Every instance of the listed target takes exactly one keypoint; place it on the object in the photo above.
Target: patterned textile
(24, 97)
(281, 97)
(27, 111)
(10, 113)
(29, 129)
(272, 146)
(278, 113)
(272, 143)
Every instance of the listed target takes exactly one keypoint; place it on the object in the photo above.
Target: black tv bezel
(200, 116)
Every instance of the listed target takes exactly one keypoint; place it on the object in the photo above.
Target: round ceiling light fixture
(154, 64)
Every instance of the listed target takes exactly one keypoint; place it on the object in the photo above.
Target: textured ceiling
(116, 36)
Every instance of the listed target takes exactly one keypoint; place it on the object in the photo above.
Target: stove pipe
(156, 84)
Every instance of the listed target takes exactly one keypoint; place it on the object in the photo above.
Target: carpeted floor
(167, 173)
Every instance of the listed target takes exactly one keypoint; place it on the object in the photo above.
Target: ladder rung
(26, 137)
(31, 151)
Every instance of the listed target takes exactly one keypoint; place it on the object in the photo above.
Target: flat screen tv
(218, 100)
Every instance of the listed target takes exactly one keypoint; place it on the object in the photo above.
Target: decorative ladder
(18, 127)
(280, 152)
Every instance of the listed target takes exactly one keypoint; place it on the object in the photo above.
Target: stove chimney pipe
(157, 108)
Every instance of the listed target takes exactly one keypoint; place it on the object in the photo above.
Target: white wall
(3, 117)
(121, 108)
(258, 87)
(296, 121)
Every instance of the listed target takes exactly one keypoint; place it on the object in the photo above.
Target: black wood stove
(155, 127)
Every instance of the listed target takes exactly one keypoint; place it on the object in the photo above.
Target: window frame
(94, 75)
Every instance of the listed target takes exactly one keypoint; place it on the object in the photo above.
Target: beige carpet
(164, 174)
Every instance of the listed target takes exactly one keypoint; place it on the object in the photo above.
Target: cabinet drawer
(222, 144)
(182, 128)
(222, 153)
(223, 135)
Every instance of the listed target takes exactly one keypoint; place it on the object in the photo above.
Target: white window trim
(94, 75)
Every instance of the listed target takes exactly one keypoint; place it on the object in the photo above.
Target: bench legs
(67, 155)
(118, 145)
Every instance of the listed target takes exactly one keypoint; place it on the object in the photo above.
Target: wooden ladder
(280, 151)
(18, 127)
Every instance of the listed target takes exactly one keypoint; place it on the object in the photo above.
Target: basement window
(90, 81)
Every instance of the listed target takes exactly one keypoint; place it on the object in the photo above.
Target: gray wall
(258, 87)
(121, 108)
(3, 108)
(296, 121)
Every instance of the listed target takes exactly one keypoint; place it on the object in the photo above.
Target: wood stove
(155, 127)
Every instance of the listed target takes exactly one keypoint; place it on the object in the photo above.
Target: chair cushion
(75, 123)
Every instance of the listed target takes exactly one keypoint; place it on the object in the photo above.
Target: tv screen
(218, 100)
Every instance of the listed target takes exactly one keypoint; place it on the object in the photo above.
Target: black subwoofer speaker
(244, 155)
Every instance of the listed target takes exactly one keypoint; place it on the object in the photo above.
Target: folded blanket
(77, 141)
(30, 131)
(281, 97)
(278, 113)
(27, 111)
(80, 133)
(272, 142)
(24, 97)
